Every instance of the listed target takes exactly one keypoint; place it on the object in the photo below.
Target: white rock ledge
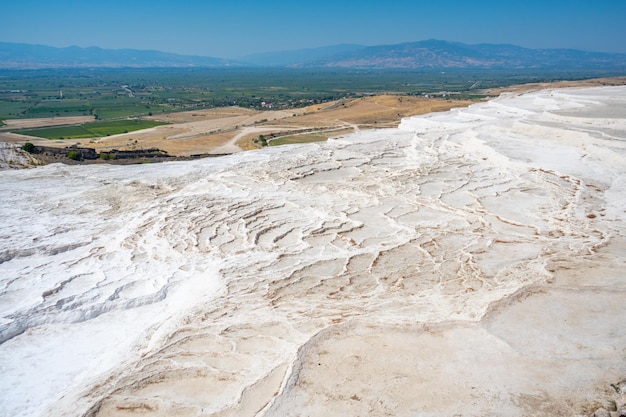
(471, 262)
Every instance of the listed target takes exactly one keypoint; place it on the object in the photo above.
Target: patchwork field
(91, 130)
(232, 129)
(229, 111)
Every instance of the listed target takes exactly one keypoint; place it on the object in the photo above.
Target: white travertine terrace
(471, 262)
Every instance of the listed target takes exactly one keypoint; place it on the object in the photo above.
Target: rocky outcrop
(615, 407)
(13, 157)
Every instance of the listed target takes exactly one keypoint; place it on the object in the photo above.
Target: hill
(429, 54)
(26, 56)
(435, 54)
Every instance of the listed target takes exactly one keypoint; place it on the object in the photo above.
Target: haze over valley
(427, 54)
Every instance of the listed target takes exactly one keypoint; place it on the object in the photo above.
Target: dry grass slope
(231, 129)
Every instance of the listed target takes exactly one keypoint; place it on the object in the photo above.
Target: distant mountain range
(437, 54)
(430, 54)
(19, 55)
(300, 57)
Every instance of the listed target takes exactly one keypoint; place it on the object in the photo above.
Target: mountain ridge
(427, 54)
(28, 56)
(436, 54)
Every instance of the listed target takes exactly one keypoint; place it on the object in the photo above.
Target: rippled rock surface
(471, 262)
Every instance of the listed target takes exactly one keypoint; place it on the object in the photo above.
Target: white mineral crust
(471, 262)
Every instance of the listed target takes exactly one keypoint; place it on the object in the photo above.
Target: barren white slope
(471, 262)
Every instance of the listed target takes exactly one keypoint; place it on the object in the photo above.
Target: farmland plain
(117, 93)
(225, 111)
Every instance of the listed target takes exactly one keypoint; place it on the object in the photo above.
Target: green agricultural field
(294, 139)
(51, 108)
(111, 110)
(62, 132)
(12, 109)
(115, 127)
(91, 130)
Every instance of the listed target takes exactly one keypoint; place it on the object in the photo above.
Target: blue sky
(232, 28)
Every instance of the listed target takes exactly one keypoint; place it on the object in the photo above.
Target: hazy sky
(233, 28)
